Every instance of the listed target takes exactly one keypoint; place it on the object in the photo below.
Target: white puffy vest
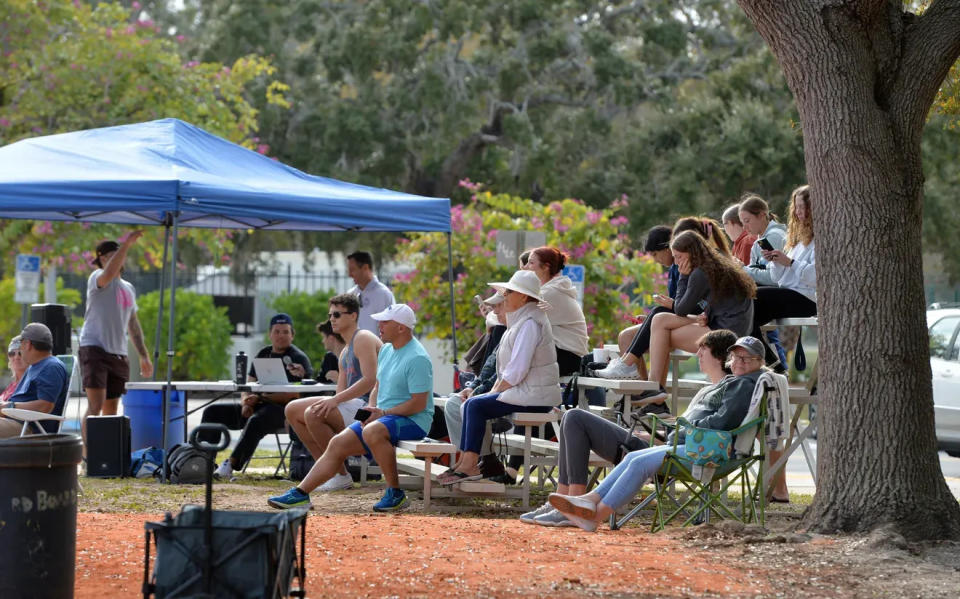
(541, 386)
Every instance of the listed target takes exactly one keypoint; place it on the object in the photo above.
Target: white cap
(400, 313)
(494, 299)
(522, 281)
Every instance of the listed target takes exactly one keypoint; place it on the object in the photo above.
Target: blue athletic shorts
(401, 429)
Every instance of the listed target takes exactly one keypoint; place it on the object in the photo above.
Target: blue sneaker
(392, 500)
(292, 498)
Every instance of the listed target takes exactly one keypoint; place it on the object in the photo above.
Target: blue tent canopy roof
(137, 174)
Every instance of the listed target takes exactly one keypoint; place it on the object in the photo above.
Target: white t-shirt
(108, 312)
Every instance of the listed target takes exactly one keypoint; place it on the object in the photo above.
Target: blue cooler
(145, 411)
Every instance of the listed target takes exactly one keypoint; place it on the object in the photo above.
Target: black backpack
(300, 459)
(187, 465)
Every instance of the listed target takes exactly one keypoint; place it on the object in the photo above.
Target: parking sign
(27, 279)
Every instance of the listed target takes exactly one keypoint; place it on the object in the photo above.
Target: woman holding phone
(771, 235)
(717, 287)
(793, 292)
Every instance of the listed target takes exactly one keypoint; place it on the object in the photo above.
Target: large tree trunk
(864, 75)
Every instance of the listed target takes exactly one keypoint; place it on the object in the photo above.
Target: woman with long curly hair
(793, 274)
(715, 283)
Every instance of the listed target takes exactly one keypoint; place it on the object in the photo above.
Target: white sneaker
(338, 482)
(553, 518)
(618, 369)
(529, 517)
(573, 505)
(224, 471)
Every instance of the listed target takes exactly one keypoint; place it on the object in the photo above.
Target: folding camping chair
(707, 486)
(206, 553)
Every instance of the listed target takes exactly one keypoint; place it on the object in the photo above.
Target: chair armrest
(30, 415)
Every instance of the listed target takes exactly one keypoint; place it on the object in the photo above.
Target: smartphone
(764, 244)
(362, 414)
(478, 300)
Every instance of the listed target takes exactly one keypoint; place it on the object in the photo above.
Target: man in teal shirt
(400, 408)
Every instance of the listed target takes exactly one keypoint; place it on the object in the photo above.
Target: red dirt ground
(411, 555)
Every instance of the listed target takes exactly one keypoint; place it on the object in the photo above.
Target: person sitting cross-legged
(400, 409)
(582, 431)
(44, 386)
(722, 409)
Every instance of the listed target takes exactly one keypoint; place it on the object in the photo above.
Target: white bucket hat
(400, 313)
(494, 299)
(522, 281)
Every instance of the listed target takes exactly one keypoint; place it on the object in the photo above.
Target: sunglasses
(337, 314)
(11, 354)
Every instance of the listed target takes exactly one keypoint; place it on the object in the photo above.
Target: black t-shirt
(295, 354)
(330, 362)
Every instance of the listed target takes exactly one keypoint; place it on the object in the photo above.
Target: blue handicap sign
(28, 263)
(574, 272)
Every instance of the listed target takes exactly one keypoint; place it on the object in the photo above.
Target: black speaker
(57, 318)
(108, 446)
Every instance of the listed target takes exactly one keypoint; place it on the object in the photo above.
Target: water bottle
(241, 369)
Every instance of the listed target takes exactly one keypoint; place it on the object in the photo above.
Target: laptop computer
(270, 371)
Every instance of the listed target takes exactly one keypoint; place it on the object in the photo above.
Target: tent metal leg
(453, 306)
(163, 276)
(170, 352)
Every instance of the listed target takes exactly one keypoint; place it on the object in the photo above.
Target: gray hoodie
(776, 234)
(565, 315)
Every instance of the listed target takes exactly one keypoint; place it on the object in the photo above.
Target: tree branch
(931, 44)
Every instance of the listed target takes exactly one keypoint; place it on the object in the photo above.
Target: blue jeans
(477, 410)
(626, 480)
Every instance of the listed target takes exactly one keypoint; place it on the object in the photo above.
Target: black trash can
(38, 509)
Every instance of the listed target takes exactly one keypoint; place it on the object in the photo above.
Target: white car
(944, 327)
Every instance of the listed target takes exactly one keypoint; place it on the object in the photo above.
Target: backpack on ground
(187, 465)
(146, 463)
(300, 459)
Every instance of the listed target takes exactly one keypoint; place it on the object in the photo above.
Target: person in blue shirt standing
(400, 408)
(44, 386)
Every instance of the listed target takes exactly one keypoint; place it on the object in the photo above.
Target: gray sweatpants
(453, 414)
(580, 432)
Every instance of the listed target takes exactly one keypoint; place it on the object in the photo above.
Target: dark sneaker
(651, 396)
(504, 479)
(292, 498)
(392, 500)
(490, 466)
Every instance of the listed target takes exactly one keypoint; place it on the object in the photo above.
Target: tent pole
(170, 352)
(163, 276)
(453, 306)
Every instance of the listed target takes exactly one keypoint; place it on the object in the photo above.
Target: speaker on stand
(57, 318)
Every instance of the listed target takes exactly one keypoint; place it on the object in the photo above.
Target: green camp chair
(707, 487)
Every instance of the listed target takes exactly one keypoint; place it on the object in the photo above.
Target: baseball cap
(37, 331)
(751, 344)
(281, 318)
(400, 313)
(658, 238)
(105, 247)
(14, 344)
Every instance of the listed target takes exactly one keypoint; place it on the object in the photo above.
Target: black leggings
(777, 302)
(641, 341)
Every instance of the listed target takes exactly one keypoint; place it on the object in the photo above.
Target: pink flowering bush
(594, 238)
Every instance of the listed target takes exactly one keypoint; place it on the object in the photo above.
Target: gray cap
(14, 344)
(37, 331)
(751, 344)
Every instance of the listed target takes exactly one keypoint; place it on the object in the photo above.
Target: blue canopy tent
(170, 173)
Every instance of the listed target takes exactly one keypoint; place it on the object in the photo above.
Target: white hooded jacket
(565, 315)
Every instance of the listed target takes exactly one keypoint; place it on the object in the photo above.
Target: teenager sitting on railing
(583, 432)
(717, 287)
(724, 408)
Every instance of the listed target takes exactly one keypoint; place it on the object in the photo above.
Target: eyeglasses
(507, 292)
(736, 358)
(337, 314)
(11, 354)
